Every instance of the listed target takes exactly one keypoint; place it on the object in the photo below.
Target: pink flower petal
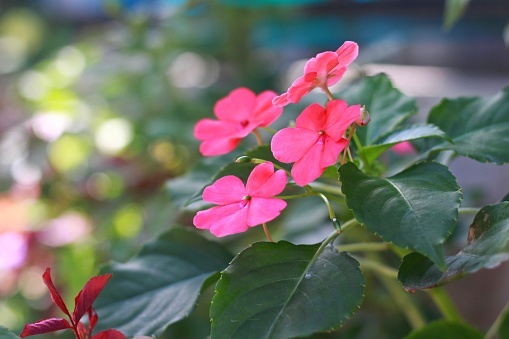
(263, 210)
(223, 220)
(281, 100)
(218, 146)
(290, 144)
(226, 190)
(343, 117)
(308, 168)
(206, 129)
(263, 182)
(322, 63)
(237, 106)
(312, 117)
(265, 113)
(347, 53)
(335, 75)
(331, 151)
(300, 87)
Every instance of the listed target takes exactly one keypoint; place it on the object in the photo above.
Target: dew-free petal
(262, 210)
(226, 190)
(264, 182)
(236, 106)
(291, 144)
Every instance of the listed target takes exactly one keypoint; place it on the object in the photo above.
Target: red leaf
(55, 296)
(45, 326)
(88, 294)
(109, 334)
(92, 318)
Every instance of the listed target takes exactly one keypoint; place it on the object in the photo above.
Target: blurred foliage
(95, 119)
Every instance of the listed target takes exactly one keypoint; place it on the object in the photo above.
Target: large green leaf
(416, 208)
(6, 334)
(281, 290)
(406, 134)
(488, 246)
(388, 107)
(478, 127)
(444, 329)
(161, 284)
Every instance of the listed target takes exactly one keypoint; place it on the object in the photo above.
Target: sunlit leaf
(488, 246)
(387, 106)
(478, 127)
(282, 290)
(415, 209)
(444, 329)
(161, 284)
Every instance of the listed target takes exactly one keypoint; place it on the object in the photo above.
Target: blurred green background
(98, 100)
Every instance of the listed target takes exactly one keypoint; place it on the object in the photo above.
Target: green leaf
(281, 290)
(241, 170)
(478, 127)
(488, 246)
(454, 9)
(387, 106)
(410, 133)
(6, 334)
(416, 208)
(160, 285)
(444, 329)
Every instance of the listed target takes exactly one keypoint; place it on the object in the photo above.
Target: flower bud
(364, 117)
(243, 158)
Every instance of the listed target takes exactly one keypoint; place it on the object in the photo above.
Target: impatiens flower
(322, 71)
(239, 113)
(316, 140)
(242, 206)
(82, 306)
(404, 148)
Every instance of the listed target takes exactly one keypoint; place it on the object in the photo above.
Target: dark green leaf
(416, 208)
(160, 285)
(241, 170)
(488, 246)
(388, 107)
(281, 290)
(444, 329)
(6, 334)
(410, 133)
(454, 9)
(478, 127)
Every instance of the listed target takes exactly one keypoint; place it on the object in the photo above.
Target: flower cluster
(315, 143)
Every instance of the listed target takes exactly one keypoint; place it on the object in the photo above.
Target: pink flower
(322, 71)
(404, 148)
(242, 206)
(317, 139)
(239, 113)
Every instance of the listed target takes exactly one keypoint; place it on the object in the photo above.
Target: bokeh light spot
(113, 135)
(128, 221)
(68, 152)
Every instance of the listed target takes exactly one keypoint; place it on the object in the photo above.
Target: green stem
(360, 152)
(332, 215)
(445, 304)
(365, 247)
(388, 277)
(296, 196)
(324, 188)
(350, 223)
(328, 92)
(258, 136)
(468, 210)
(270, 130)
(492, 331)
(375, 266)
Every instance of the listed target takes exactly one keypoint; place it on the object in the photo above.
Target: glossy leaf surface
(478, 127)
(282, 290)
(416, 208)
(488, 246)
(387, 106)
(160, 285)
